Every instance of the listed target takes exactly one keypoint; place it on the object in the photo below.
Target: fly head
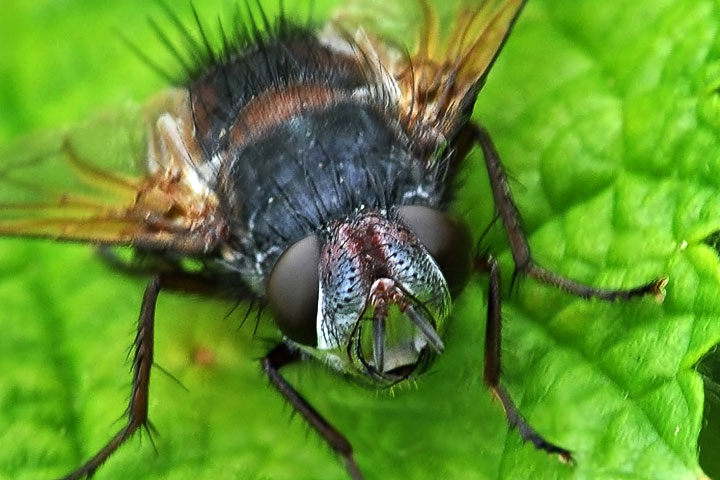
(370, 295)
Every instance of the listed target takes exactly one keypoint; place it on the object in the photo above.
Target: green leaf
(607, 114)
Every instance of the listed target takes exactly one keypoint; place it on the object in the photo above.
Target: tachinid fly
(311, 170)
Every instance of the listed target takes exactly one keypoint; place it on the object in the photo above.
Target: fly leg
(174, 277)
(137, 411)
(271, 365)
(524, 263)
(493, 336)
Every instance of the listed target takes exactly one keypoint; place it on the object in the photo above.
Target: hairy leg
(519, 246)
(272, 363)
(493, 341)
(137, 411)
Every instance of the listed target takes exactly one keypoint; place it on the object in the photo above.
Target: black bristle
(190, 41)
(170, 47)
(154, 66)
(208, 47)
(266, 22)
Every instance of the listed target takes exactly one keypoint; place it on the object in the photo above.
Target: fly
(312, 171)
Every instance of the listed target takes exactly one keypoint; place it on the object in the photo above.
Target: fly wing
(438, 63)
(106, 182)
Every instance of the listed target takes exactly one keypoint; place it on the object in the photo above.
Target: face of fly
(382, 300)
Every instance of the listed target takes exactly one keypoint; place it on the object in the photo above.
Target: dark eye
(292, 291)
(448, 241)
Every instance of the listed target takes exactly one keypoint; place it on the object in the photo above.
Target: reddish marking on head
(366, 241)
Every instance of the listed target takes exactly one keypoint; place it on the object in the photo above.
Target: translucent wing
(438, 64)
(105, 182)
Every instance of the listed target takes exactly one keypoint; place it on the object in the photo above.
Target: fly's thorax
(366, 295)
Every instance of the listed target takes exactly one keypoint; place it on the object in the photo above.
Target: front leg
(272, 363)
(519, 247)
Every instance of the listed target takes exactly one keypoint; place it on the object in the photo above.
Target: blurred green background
(569, 71)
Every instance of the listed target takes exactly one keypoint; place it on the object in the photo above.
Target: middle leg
(493, 336)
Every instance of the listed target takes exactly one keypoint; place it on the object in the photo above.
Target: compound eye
(292, 291)
(448, 241)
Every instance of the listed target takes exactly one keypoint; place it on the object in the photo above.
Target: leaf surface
(607, 116)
